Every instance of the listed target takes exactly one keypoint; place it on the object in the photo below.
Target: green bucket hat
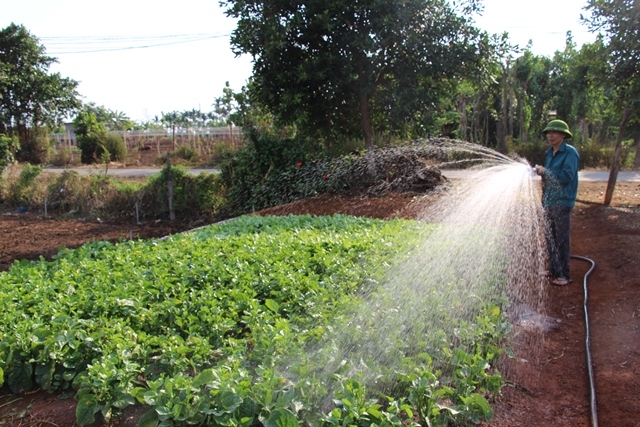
(558, 126)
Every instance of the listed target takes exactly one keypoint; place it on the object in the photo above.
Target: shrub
(533, 152)
(8, 147)
(249, 173)
(94, 195)
(25, 189)
(88, 148)
(35, 149)
(379, 171)
(114, 144)
(591, 155)
(220, 152)
(193, 195)
(186, 153)
(93, 147)
(65, 156)
(69, 192)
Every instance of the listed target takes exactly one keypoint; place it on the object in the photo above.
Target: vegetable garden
(222, 326)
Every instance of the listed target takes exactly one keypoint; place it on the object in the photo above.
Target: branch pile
(397, 169)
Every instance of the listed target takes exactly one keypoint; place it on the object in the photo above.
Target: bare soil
(551, 389)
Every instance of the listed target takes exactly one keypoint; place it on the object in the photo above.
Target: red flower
(325, 176)
(299, 164)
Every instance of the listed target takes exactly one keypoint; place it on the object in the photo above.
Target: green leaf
(478, 401)
(205, 377)
(44, 375)
(87, 407)
(149, 419)
(227, 403)
(20, 377)
(281, 418)
(124, 400)
(272, 305)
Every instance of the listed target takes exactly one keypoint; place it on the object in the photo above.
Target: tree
(345, 68)
(112, 120)
(8, 145)
(620, 20)
(94, 139)
(30, 97)
(579, 86)
(171, 119)
(533, 94)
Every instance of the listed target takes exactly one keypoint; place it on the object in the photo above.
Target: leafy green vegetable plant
(232, 325)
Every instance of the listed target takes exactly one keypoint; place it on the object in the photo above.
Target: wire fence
(146, 136)
(146, 146)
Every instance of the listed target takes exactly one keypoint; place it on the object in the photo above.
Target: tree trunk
(512, 102)
(502, 123)
(173, 139)
(170, 187)
(523, 130)
(636, 160)
(615, 165)
(584, 129)
(486, 129)
(366, 122)
(462, 104)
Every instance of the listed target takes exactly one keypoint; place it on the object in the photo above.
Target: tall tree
(533, 94)
(31, 97)
(340, 67)
(620, 21)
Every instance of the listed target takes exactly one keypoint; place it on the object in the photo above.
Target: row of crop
(243, 322)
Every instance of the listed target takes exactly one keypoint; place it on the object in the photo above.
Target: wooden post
(172, 214)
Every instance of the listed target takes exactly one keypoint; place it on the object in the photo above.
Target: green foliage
(107, 197)
(29, 95)
(90, 135)
(35, 149)
(24, 191)
(221, 151)
(65, 156)
(619, 20)
(344, 69)
(253, 173)
(115, 146)
(186, 153)
(70, 192)
(253, 184)
(94, 140)
(8, 147)
(111, 120)
(194, 195)
(533, 152)
(196, 327)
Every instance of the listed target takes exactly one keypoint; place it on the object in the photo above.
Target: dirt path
(554, 390)
(548, 381)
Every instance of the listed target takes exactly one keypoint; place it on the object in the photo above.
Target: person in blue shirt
(559, 190)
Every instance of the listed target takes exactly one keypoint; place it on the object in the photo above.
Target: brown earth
(552, 389)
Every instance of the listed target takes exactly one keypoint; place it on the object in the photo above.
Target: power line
(75, 45)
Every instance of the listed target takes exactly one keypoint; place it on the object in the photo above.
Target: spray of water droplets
(485, 248)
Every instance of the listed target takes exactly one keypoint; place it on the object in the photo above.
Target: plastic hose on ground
(594, 412)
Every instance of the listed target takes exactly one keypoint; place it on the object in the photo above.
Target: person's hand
(539, 169)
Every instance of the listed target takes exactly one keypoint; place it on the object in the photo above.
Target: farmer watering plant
(559, 189)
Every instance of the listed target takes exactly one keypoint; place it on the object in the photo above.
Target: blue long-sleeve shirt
(561, 176)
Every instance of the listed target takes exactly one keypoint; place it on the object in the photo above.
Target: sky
(148, 57)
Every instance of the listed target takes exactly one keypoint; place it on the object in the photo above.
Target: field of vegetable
(222, 326)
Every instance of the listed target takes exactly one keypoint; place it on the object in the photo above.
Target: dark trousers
(558, 233)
